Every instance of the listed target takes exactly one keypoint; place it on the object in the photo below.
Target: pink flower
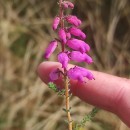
(73, 20)
(68, 4)
(79, 73)
(54, 75)
(50, 49)
(63, 59)
(80, 57)
(78, 45)
(62, 35)
(77, 32)
(56, 23)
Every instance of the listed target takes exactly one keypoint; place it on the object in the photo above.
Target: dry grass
(25, 30)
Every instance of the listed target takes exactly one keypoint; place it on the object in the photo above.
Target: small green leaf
(61, 92)
(65, 110)
(89, 116)
(53, 86)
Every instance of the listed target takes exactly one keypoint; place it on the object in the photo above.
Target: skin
(108, 92)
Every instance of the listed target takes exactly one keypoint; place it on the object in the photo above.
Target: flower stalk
(67, 97)
(66, 80)
(69, 35)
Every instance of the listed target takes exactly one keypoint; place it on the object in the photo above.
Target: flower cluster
(71, 36)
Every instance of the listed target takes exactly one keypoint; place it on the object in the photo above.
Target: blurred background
(25, 31)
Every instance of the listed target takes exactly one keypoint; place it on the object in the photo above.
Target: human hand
(108, 92)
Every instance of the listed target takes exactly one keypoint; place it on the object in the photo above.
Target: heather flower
(80, 57)
(63, 59)
(73, 20)
(79, 73)
(54, 75)
(67, 4)
(56, 23)
(77, 32)
(77, 49)
(86, 73)
(62, 35)
(50, 49)
(78, 45)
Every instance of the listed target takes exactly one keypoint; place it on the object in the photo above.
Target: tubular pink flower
(68, 4)
(54, 75)
(56, 22)
(62, 35)
(86, 73)
(50, 49)
(78, 45)
(80, 57)
(73, 20)
(78, 73)
(77, 32)
(63, 59)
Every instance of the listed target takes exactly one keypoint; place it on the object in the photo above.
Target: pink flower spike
(63, 59)
(56, 23)
(78, 73)
(68, 4)
(78, 45)
(73, 20)
(77, 32)
(80, 57)
(50, 49)
(62, 35)
(54, 75)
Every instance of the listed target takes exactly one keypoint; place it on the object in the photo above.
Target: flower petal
(62, 35)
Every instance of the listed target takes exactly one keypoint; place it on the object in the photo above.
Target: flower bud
(73, 20)
(77, 32)
(50, 49)
(56, 22)
(63, 59)
(62, 35)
